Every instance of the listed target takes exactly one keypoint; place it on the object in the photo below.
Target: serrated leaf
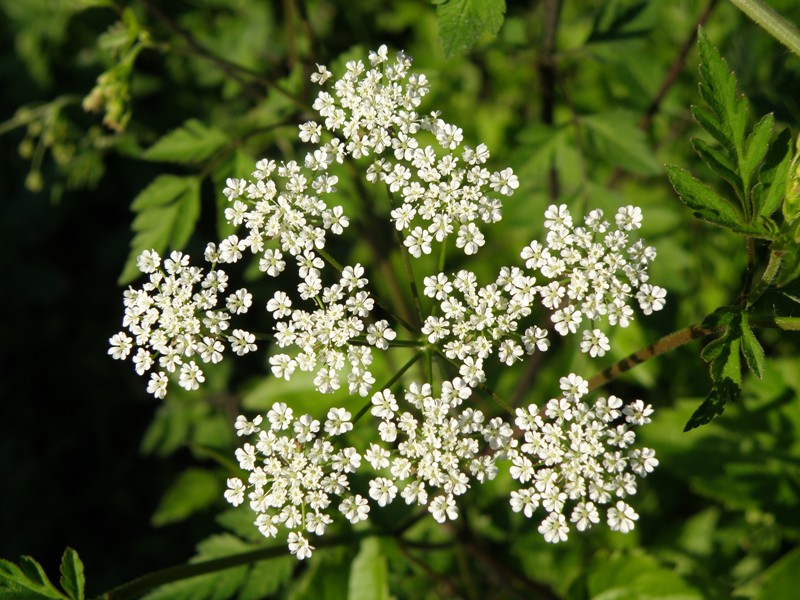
(168, 210)
(615, 138)
(755, 148)
(751, 348)
(463, 22)
(769, 191)
(368, 573)
(195, 489)
(191, 143)
(718, 88)
(718, 162)
(712, 406)
(28, 580)
(706, 203)
(72, 580)
(725, 369)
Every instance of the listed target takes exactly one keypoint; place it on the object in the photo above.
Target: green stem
(773, 266)
(773, 23)
(390, 383)
(140, 586)
(412, 283)
(331, 261)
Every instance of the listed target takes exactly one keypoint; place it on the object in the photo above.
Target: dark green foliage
(27, 580)
(195, 92)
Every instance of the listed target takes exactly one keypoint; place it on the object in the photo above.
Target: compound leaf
(28, 580)
(706, 203)
(72, 577)
(168, 210)
(191, 143)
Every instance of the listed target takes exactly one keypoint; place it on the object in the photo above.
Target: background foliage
(587, 101)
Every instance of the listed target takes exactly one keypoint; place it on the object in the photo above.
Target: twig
(665, 344)
(234, 70)
(548, 79)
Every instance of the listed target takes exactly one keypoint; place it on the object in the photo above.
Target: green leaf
(72, 578)
(751, 348)
(168, 210)
(756, 147)
(463, 22)
(718, 89)
(718, 162)
(191, 143)
(772, 177)
(28, 580)
(368, 573)
(615, 138)
(636, 575)
(781, 577)
(326, 577)
(725, 369)
(706, 203)
(194, 490)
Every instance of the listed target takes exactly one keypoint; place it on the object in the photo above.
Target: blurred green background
(567, 93)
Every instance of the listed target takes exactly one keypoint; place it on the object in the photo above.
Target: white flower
(382, 490)
(584, 515)
(621, 517)
(418, 242)
(235, 492)
(121, 345)
(651, 298)
(338, 422)
(595, 343)
(355, 508)
(299, 546)
(554, 528)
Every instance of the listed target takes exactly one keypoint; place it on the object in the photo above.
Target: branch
(665, 344)
(234, 70)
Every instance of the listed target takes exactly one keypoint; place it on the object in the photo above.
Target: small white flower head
(621, 517)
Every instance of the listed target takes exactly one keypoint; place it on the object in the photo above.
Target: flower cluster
(293, 472)
(581, 273)
(579, 456)
(326, 335)
(591, 271)
(572, 459)
(374, 113)
(436, 447)
(278, 204)
(172, 322)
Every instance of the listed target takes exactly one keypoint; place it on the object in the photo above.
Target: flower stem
(665, 344)
(390, 383)
(771, 22)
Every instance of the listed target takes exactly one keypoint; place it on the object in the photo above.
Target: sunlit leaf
(463, 22)
(167, 211)
(192, 142)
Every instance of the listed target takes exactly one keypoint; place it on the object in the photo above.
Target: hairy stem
(771, 22)
(665, 344)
